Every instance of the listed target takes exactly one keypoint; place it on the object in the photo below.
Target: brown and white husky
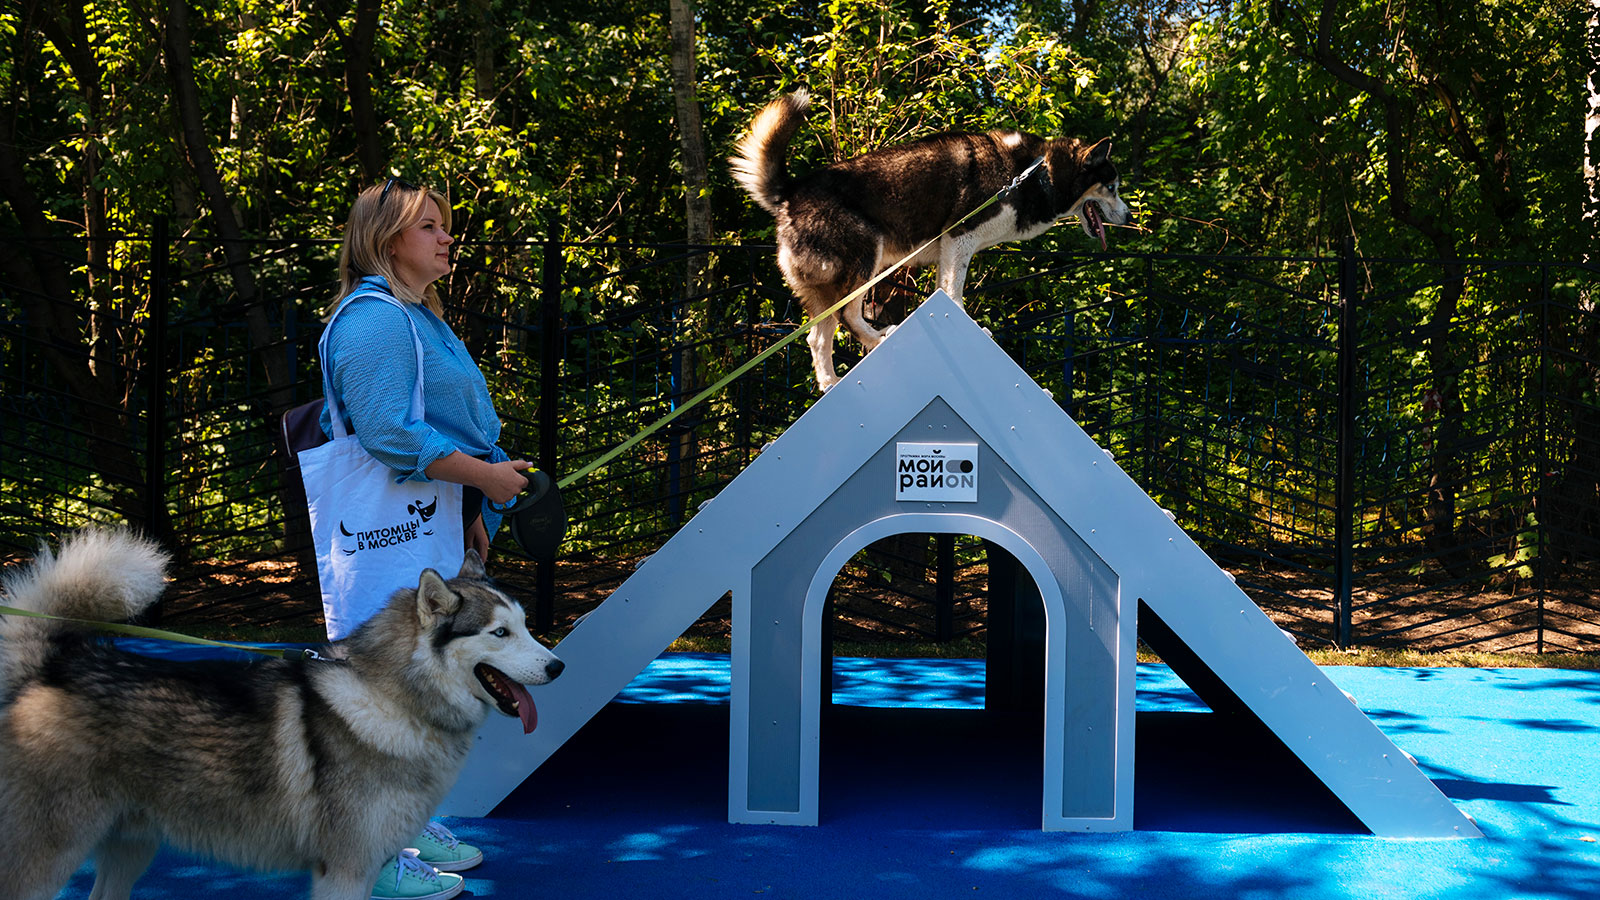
(842, 224)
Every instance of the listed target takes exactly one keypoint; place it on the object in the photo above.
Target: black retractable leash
(537, 518)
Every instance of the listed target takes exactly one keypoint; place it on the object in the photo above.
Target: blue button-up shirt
(373, 369)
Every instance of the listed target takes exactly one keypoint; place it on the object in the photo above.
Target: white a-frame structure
(938, 431)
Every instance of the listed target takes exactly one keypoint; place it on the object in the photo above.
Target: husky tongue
(525, 708)
(1091, 217)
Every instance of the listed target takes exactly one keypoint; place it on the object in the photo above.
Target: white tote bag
(373, 535)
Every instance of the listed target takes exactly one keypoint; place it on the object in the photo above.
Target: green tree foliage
(1448, 131)
(1424, 128)
(1435, 130)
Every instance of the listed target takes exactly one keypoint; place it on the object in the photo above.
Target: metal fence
(1372, 471)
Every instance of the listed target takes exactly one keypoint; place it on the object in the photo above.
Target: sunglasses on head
(391, 183)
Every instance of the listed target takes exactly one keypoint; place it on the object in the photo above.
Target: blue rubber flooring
(926, 795)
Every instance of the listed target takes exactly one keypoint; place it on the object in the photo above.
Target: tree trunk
(696, 177)
(358, 78)
(357, 46)
(484, 44)
(1591, 126)
(697, 209)
(45, 291)
(197, 144)
(67, 28)
(1439, 508)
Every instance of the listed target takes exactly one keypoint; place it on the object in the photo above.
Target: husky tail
(759, 167)
(96, 574)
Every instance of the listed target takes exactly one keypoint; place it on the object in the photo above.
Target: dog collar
(1017, 181)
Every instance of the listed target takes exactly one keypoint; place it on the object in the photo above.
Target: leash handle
(538, 484)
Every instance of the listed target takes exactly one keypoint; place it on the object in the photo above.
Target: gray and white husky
(843, 224)
(326, 766)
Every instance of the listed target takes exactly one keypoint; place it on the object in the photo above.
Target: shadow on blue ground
(935, 803)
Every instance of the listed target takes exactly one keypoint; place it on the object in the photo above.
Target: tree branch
(1394, 133)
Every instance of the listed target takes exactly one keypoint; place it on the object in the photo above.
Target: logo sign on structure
(937, 473)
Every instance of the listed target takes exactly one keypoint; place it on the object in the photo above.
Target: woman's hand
(504, 481)
(501, 482)
(478, 538)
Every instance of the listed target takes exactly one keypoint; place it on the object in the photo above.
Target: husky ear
(1100, 152)
(472, 566)
(434, 597)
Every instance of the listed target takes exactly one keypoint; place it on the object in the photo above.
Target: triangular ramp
(939, 398)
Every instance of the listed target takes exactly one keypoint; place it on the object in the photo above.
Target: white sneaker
(409, 878)
(437, 847)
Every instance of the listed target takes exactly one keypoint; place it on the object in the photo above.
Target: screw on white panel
(1108, 453)
(641, 562)
(1170, 514)
(1285, 633)
(1048, 393)
(1352, 698)
(1230, 576)
(1410, 758)
(704, 503)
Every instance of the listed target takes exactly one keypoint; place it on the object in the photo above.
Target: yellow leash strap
(660, 423)
(158, 634)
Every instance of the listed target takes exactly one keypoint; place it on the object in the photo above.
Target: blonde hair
(375, 220)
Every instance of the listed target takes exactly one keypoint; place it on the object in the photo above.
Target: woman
(396, 245)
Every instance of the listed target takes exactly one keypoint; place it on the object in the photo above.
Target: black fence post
(1541, 479)
(944, 597)
(676, 431)
(156, 525)
(550, 334)
(155, 379)
(1344, 449)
